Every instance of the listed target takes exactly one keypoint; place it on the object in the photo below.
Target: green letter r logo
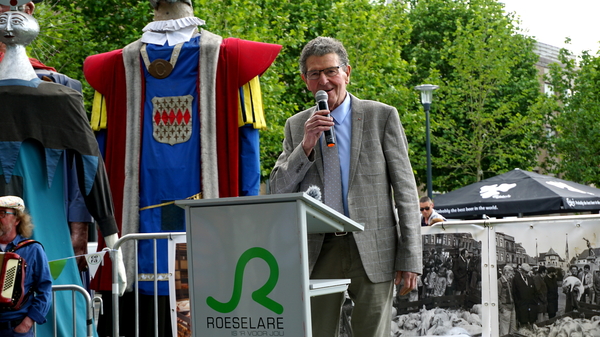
(260, 295)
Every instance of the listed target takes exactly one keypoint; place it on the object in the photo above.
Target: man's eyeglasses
(425, 208)
(329, 72)
(3, 214)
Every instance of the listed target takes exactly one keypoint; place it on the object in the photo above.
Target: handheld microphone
(321, 98)
(314, 191)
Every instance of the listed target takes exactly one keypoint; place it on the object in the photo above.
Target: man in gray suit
(376, 175)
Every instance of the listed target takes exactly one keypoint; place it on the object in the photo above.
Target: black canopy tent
(517, 193)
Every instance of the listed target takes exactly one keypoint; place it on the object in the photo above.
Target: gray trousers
(371, 315)
(507, 319)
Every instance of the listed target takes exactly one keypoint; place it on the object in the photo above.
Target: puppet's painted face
(18, 28)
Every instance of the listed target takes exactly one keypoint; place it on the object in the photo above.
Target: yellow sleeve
(250, 105)
(98, 120)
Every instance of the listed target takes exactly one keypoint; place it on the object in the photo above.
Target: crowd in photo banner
(548, 281)
(446, 274)
(447, 300)
(539, 298)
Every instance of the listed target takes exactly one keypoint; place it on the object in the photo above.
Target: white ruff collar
(171, 31)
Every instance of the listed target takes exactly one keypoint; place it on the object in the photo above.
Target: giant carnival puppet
(44, 129)
(171, 126)
(78, 216)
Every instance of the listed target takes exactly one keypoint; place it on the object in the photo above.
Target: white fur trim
(210, 45)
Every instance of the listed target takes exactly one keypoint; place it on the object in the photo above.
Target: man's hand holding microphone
(320, 122)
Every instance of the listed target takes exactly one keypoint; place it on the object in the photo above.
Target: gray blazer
(380, 175)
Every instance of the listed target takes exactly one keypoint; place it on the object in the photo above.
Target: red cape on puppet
(239, 62)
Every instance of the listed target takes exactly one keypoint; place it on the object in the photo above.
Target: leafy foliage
(576, 103)
(484, 117)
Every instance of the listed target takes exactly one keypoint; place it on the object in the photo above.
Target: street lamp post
(426, 96)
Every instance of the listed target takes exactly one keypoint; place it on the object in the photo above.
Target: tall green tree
(574, 153)
(485, 116)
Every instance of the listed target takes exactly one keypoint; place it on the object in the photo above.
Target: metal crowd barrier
(115, 289)
(115, 279)
(89, 309)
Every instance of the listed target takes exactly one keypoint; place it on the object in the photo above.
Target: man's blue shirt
(342, 116)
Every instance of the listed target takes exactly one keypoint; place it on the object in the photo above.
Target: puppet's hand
(122, 276)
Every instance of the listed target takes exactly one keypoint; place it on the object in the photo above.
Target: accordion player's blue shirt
(37, 275)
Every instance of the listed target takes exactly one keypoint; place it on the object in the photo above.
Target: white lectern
(248, 263)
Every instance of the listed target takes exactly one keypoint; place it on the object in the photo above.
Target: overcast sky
(551, 21)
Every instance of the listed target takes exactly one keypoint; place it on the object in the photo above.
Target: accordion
(12, 278)
(12, 281)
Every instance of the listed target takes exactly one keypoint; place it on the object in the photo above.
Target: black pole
(428, 145)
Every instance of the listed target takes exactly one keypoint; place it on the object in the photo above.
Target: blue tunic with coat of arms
(170, 160)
